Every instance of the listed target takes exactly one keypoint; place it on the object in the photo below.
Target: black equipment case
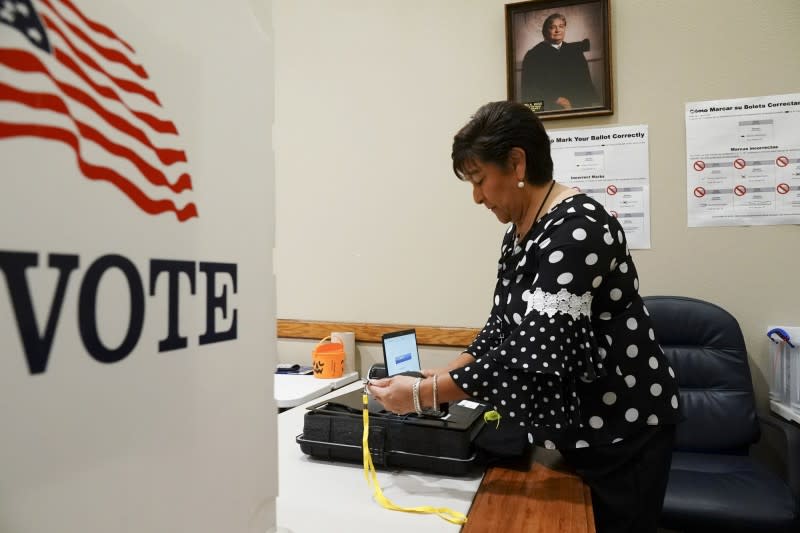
(334, 429)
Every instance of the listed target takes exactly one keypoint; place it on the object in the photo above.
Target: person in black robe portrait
(555, 72)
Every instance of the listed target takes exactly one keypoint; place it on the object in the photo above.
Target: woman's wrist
(427, 399)
(422, 396)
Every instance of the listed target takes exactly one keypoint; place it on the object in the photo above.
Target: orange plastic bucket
(328, 359)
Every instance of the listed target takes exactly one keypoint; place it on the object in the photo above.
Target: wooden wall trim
(426, 335)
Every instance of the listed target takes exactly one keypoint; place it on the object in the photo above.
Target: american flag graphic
(67, 78)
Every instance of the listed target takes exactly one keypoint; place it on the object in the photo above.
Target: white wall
(372, 225)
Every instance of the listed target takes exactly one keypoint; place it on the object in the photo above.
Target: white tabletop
(317, 496)
(291, 390)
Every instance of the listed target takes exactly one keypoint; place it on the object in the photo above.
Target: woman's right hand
(394, 393)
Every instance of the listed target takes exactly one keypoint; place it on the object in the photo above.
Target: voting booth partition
(136, 275)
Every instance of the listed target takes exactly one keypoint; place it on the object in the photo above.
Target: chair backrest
(705, 347)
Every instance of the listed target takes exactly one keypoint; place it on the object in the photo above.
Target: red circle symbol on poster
(699, 192)
(739, 190)
(782, 188)
(611, 189)
(613, 213)
(782, 161)
(699, 165)
(739, 163)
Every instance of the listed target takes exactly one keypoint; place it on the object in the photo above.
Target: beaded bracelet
(435, 392)
(415, 396)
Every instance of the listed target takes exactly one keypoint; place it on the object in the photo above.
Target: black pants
(628, 479)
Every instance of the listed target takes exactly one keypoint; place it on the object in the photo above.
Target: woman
(568, 351)
(555, 72)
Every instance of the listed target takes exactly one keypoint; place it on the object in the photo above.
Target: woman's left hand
(395, 393)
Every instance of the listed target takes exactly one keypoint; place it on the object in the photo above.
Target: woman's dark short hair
(494, 130)
(549, 20)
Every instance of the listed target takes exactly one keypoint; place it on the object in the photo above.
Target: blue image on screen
(401, 354)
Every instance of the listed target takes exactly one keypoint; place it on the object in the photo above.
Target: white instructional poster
(611, 165)
(743, 161)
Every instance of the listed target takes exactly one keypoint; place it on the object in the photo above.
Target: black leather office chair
(714, 484)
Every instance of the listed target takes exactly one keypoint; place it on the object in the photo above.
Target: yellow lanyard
(372, 479)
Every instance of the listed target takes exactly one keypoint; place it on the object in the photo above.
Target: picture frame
(563, 70)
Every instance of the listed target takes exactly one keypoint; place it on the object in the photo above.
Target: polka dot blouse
(569, 351)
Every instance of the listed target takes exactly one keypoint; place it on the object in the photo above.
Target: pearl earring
(520, 184)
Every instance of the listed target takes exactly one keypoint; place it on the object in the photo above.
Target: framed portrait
(558, 55)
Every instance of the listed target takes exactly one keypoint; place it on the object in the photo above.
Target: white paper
(743, 161)
(611, 165)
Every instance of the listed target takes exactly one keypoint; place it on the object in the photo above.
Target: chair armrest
(791, 434)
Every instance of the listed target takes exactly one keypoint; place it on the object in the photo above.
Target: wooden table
(545, 498)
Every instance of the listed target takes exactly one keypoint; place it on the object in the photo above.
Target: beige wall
(371, 224)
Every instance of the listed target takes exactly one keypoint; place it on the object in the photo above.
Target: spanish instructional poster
(611, 165)
(743, 161)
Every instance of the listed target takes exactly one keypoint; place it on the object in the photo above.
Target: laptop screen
(400, 352)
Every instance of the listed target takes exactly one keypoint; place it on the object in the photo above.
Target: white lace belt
(561, 302)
